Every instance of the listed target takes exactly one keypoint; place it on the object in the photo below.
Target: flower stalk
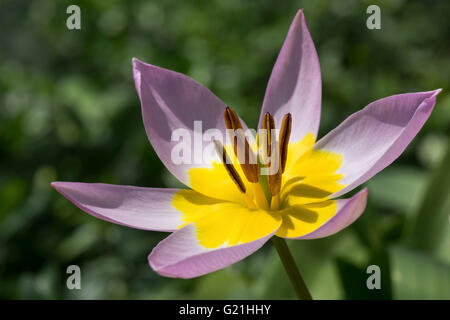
(295, 277)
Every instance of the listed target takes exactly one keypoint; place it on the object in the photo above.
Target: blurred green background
(69, 111)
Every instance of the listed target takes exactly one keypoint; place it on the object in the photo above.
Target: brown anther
(274, 176)
(234, 175)
(285, 133)
(231, 119)
(281, 157)
(275, 183)
(249, 165)
(268, 125)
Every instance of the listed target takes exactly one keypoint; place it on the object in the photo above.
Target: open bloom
(230, 211)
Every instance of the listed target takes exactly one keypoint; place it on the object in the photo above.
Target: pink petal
(348, 210)
(295, 83)
(171, 101)
(140, 208)
(371, 139)
(181, 256)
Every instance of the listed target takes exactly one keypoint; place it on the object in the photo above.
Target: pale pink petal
(181, 256)
(136, 207)
(348, 210)
(371, 139)
(295, 83)
(171, 101)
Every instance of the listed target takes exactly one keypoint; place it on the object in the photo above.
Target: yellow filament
(260, 197)
(275, 202)
(249, 201)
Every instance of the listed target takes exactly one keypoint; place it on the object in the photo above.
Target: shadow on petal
(308, 191)
(299, 213)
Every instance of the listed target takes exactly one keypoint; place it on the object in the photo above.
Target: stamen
(275, 202)
(274, 176)
(234, 175)
(249, 165)
(285, 133)
(268, 125)
(275, 179)
(275, 183)
(260, 197)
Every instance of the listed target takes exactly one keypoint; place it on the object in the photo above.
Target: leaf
(230, 282)
(416, 275)
(431, 225)
(399, 188)
(83, 238)
(443, 247)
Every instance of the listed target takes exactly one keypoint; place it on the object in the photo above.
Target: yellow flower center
(228, 209)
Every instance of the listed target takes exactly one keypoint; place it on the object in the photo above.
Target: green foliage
(416, 275)
(433, 219)
(69, 111)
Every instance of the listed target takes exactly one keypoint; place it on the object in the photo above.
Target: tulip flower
(229, 209)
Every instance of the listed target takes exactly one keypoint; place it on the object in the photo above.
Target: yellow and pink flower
(230, 211)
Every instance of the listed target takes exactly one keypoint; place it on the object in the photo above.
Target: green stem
(291, 269)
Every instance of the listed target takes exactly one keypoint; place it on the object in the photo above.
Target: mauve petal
(295, 84)
(181, 256)
(136, 207)
(348, 210)
(371, 139)
(171, 101)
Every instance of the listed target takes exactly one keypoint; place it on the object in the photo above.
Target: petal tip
(151, 263)
(432, 93)
(62, 186)
(361, 197)
(436, 92)
(137, 74)
(136, 65)
(140, 66)
(364, 191)
(299, 16)
(160, 269)
(135, 60)
(56, 185)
